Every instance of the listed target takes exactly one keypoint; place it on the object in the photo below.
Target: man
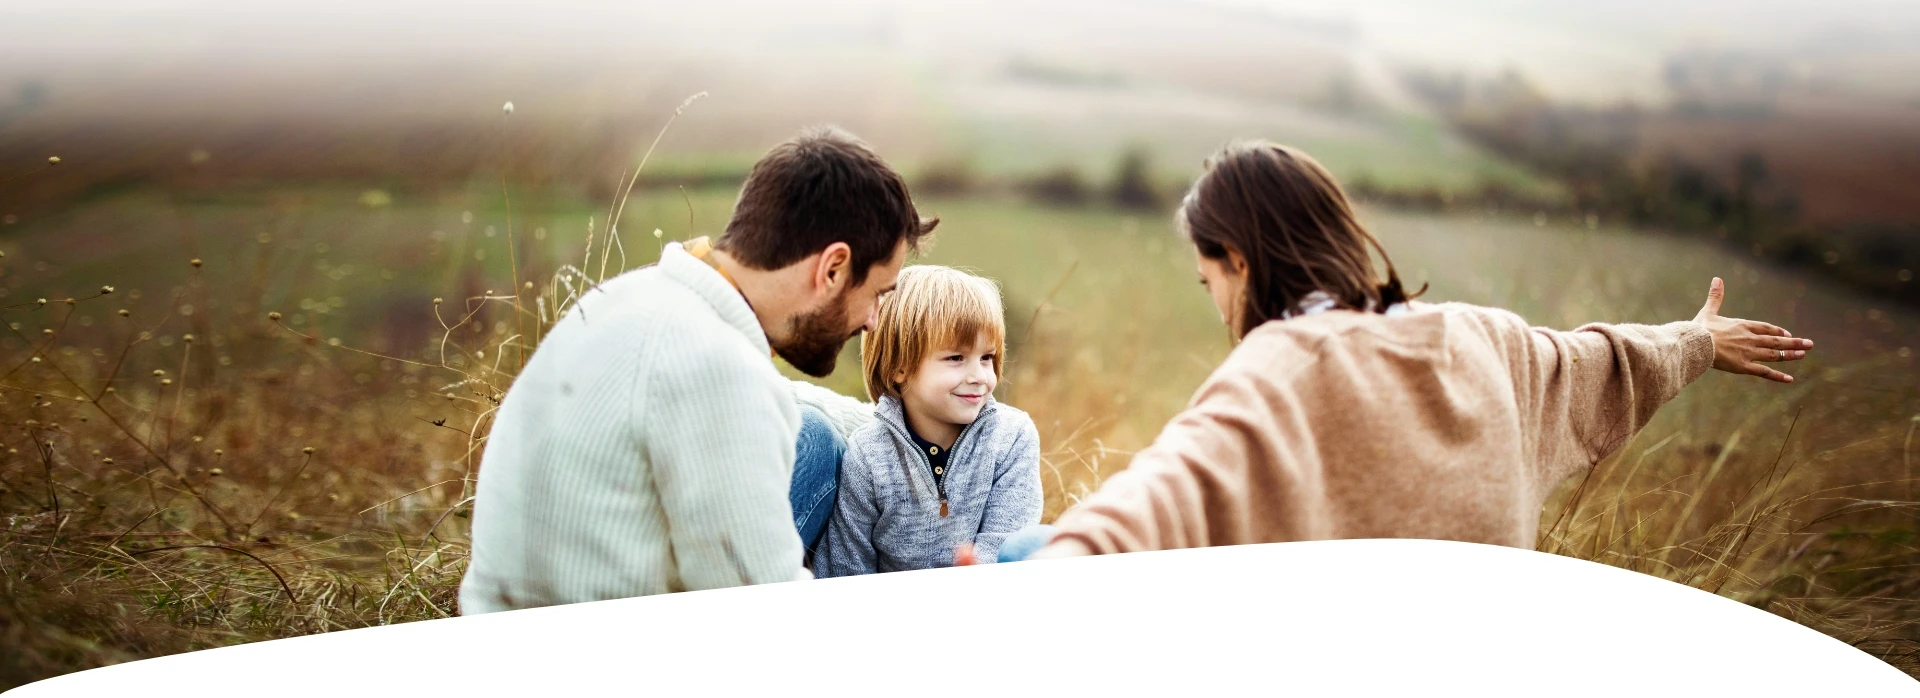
(649, 445)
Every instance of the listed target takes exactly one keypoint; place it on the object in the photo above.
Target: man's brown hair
(818, 188)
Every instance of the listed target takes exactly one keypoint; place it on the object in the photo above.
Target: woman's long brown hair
(1287, 217)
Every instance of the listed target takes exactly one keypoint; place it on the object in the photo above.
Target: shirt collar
(714, 286)
(1321, 301)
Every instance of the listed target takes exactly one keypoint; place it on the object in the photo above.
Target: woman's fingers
(1775, 355)
(1768, 373)
(1785, 343)
(1716, 293)
(1766, 328)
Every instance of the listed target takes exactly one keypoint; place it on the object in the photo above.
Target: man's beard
(814, 339)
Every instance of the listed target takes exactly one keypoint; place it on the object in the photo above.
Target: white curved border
(1347, 617)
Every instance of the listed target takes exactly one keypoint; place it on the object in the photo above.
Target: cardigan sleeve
(1587, 390)
(848, 546)
(1016, 498)
(844, 413)
(1189, 487)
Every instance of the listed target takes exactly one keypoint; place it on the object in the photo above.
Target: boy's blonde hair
(931, 308)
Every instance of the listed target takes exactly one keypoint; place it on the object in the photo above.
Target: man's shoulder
(648, 301)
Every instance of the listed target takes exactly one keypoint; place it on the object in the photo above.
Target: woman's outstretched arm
(1589, 389)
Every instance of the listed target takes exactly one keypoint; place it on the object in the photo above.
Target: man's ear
(835, 266)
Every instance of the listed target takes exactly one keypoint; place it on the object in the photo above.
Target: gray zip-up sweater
(887, 517)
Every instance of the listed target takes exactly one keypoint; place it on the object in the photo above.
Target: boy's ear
(899, 377)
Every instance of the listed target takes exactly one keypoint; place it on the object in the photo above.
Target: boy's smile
(947, 390)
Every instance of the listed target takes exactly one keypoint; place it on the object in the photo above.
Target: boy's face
(951, 385)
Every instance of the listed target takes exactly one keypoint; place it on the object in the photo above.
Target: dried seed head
(166, 381)
(308, 450)
(333, 497)
(158, 372)
(274, 316)
(69, 301)
(216, 472)
(109, 390)
(41, 301)
(529, 285)
(125, 313)
(187, 338)
(195, 261)
(198, 439)
(108, 461)
(13, 451)
(657, 233)
(33, 422)
(293, 516)
(436, 301)
(36, 359)
(219, 452)
(96, 451)
(47, 331)
(507, 108)
(104, 290)
(53, 160)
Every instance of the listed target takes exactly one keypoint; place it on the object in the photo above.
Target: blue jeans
(1025, 542)
(816, 475)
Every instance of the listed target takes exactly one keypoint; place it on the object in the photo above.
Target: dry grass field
(257, 319)
(224, 461)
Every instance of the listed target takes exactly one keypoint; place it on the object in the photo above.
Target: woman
(1349, 411)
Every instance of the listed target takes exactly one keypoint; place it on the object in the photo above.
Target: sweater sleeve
(1188, 488)
(1016, 498)
(724, 495)
(1587, 390)
(844, 413)
(848, 546)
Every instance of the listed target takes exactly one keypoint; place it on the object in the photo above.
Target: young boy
(942, 465)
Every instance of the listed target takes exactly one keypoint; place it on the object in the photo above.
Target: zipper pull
(943, 506)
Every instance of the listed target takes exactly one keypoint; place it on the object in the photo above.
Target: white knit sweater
(645, 448)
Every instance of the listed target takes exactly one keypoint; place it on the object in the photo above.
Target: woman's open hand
(1740, 346)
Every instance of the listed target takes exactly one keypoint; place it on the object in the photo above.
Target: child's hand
(963, 555)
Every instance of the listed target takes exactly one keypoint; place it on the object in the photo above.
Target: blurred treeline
(1616, 167)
